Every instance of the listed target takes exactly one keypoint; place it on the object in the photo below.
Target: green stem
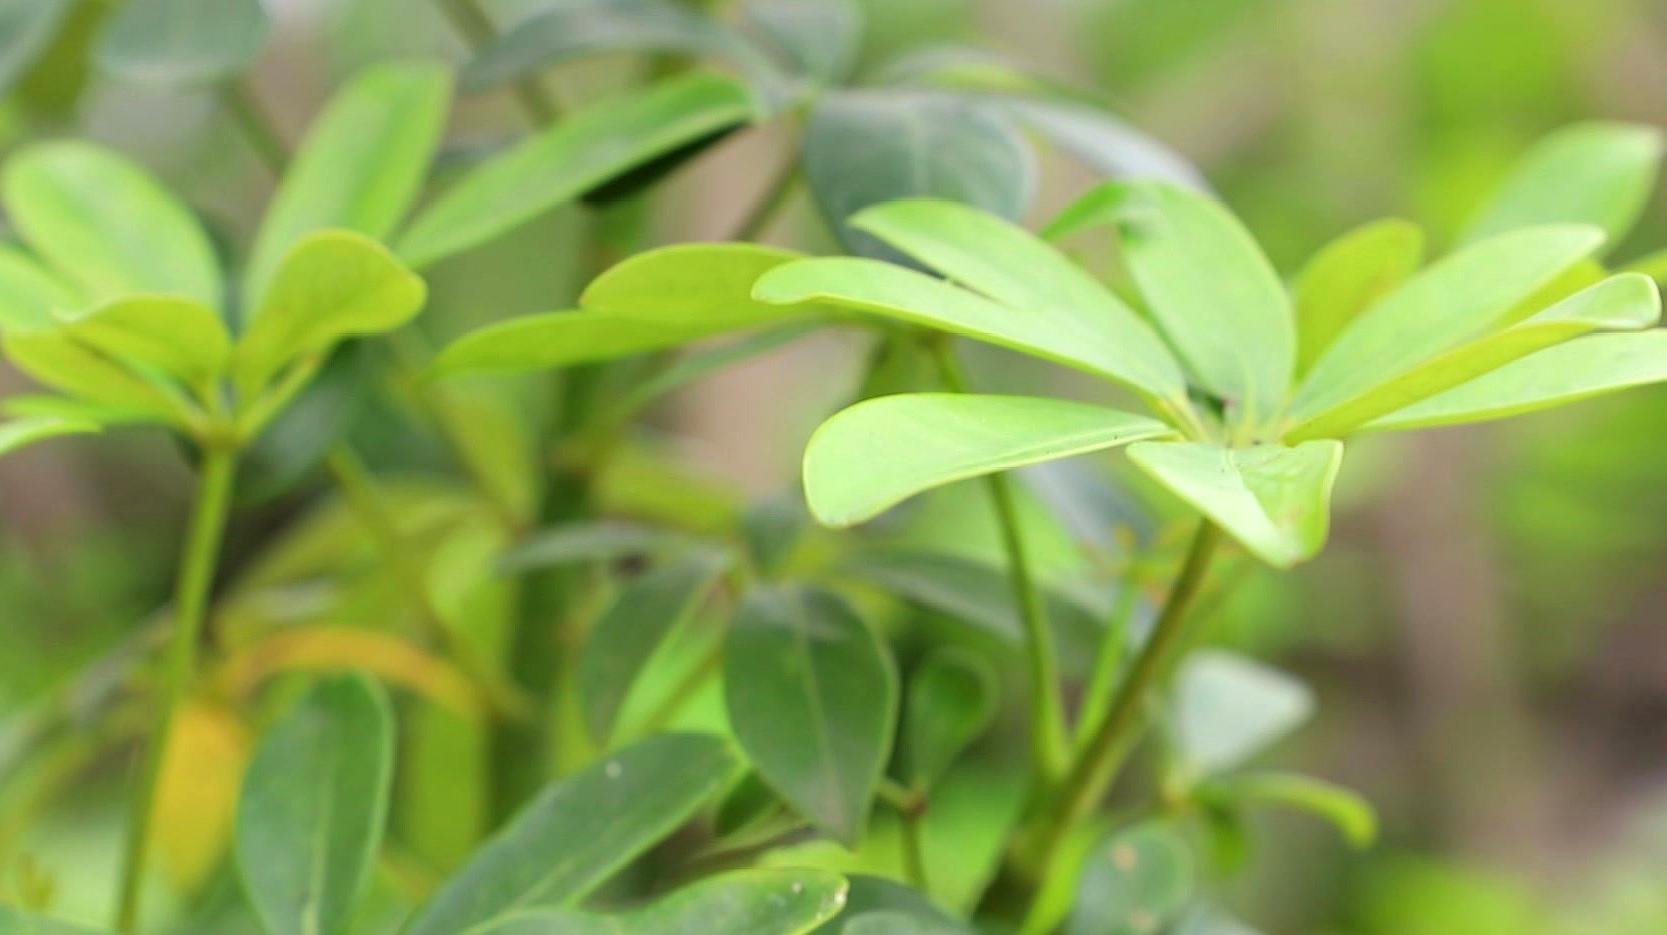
(1047, 710)
(257, 127)
(476, 27)
(1113, 648)
(191, 594)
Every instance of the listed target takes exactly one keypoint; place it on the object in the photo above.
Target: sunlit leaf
(1229, 708)
(583, 829)
(747, 902)
(1276, 501)
(55, 359)
(951, 699)
(878, 453)
(1346, 277)
(179, 42)
(314, 807)
(575, 155)
(1135, 882)
(1344, 808)
(179, 337)
(29, 293)
(812, 696)
(20, 433)
(1590, 173)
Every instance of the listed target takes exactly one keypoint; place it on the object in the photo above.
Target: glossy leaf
(1580, 369)
(1347, 277)
(1229, 708)
(180, 42)
(820, 39)
(1043, 288)
(575, 155)
(1135, 882)
(864, 148)
(331, 286)
(106, 225)
(20, 433)
(1451, 301)
(1590, 173)
(1276, 501)
(951, 700)
(812, 697)
(747, 902)
(1352, 815)
(644, 614)
(314, 807)
(17, 922)
(29, 293)
(26, 28)
(361, 165)
(178, 337)
(583, 829)
(1628, 302)
(878, 453)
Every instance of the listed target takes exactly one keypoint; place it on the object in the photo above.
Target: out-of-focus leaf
(107, 225)
(314, 808)
(1207, 920)
(772, 529)
(16, 922)
(18, 434)
(583, 829)
(819, 39)
(1135, 882)
(1344, 808)
(870, 895)
(863, 148)
(1276, 501)
(55, 359)
(1229, 708)
(26, 26)
(601, 541)
(342, 648)
(1590, 173)
(747, 902)
(896, 923)
(29, 293)
(812, 697)
(361, 165)
(951, 699)
(644, 614)
(182, 42)
(196, 794)
(1346, 277)
(1102, 141)
(179, 337)
(570, 158)
(872, 456)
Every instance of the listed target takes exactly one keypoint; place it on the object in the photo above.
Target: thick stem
(476, 27)
(196, 577)
(1047, 710)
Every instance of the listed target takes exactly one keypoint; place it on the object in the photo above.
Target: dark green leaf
(748, 902)
(870, 895)
(1137, 881)
(951, 699)
(819, 39)
(772, 529)
(29, 293)
(181, 42)
(601, 541)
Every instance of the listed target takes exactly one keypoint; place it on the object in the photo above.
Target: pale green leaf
(18, 434)
(55, 359)
(951, 700)
(1229, 708)
(107, 225)
(1134, 882)
(1346, 277)
(1589, 173)
(812, 697)
(29, 293)
(577, 154)
(582, 830)
(182, 42)
(178, 337)
(746, 902)
(17, 922)
(878, 453)
(1276, 501)
(1344, 808)
(314, 807)
(361, 165)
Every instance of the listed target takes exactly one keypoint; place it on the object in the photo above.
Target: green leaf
(897, 923)
(21, 433)
(1276, 501)
(819, 39)
(1102, 141)
(1452, 301)
(747, 902)
(179, 337)
(1042, 287)
(572, 157)
(1229, 708)
(602, 540)
(1211, 291)
(812, 696)
(643, 615)
(870, 895)
(15, 922)
(55, 359)
(1207, 920)
(361, 165)
(864, 148)
(1135, 882)
(314, 806)
(951, 700)
(29, 293)
(771, 530)
(182, 42)
(1589, 173)
(1347, 277)
(1581, 369)
(26, 27)
(583, 829)
(1630, 301)
(878, 453)
(332, 285)
(106, 225)
(1344, 808)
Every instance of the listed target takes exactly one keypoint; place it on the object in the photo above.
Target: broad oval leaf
(179, 337)
(29, 293)
(572, 157)
(1580, 369)
(1346, 277)
(179, 42)
(1229, 708)
(1044, 289)
(951, 700)
(747, 902)
(819, 39)
(26, 28)
(1135, 882)
(360, 166)
(107, 225)
(314, 807)
(812, 697)
(1590, 173)
(1276, 501)
(20, 433)
(583, 829)
(863, 148)
(1452, 301)
(878, 453)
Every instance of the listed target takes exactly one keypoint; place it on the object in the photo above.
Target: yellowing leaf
(196, 795)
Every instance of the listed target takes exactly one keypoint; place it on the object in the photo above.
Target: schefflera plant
(1249, 401)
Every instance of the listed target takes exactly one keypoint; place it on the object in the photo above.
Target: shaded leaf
(747, 902)
(812, 697)
(20, 433)
(1346, 277)
(1135, 882)
(26, 27)
(179, 42)
(869, 895)
(951, 700)
(1589, 173)
(819, 39)
(600, 541)
(1102, 141)
(1228, 708)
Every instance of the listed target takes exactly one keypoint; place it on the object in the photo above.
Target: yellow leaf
(196, 797)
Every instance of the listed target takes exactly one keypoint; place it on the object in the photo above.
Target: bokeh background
(1487, 633)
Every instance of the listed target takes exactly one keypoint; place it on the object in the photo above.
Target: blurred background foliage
(1485, 635)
